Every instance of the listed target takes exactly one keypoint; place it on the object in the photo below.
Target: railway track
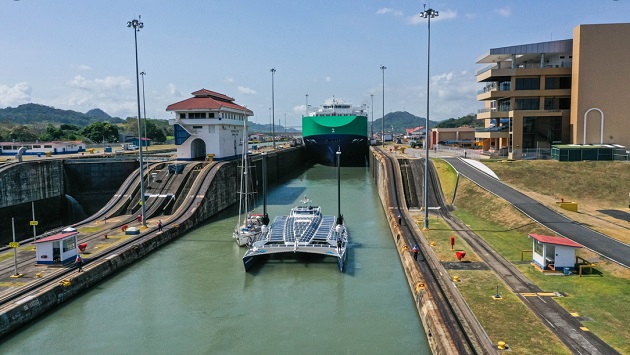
(451, 309)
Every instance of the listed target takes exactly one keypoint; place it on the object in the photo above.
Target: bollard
(501, 345)
(456, 278)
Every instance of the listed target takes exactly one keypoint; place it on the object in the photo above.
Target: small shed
(57, 249)
(553, 253)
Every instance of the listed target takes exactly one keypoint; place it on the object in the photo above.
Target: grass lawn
(600, 298)
(507, 319)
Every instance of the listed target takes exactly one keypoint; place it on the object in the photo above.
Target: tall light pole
(383, 119)
(306, 105)
(285, 125)
(137, 25)
(144, 110)
(428, 14)
(372, 124)
(273, 111)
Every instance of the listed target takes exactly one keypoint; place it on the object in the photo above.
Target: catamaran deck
(305, 230)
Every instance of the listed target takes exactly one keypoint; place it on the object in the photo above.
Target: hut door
(56, 252)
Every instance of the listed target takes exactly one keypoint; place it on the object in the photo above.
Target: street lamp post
(372, 122)
(137, 25)
(428, 14)
(306, 105)
(273, 111)
(383, 119)
(144, 110)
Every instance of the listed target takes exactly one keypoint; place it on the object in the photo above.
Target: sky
(80, 55)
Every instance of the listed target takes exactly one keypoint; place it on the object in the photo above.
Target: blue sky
(79, 55)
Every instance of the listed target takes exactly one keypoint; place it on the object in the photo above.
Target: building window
(68, 244)
(47, 145)
(552, 83)
(211, 115)
(37, 146)
(197, 127)
(197, 115)
(527, 83)
(182, 116)
(557, 103)
(528, 104)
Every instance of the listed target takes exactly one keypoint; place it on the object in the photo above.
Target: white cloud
(229, 80)
(174, 91)
(504, 11)
(16, 95)
(84, 67)
(386, 10)
(245, 90)
(442, 15)
(107, 83)
(328, 79)
(453, 94)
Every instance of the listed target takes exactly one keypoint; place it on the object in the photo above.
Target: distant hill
(266, 128)
(468, 120)
(34, 113)
(399, 121)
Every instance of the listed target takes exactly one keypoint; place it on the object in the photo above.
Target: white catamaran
(304, 231)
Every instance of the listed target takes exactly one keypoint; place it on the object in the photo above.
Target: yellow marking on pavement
(585, 329)
(575, 314)
(548, 294)
(528, 294)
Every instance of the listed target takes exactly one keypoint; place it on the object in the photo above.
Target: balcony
(492, 132)
(487, 113)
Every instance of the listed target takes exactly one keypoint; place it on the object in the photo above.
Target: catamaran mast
(339, 216)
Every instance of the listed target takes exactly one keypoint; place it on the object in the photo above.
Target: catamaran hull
(252, 256)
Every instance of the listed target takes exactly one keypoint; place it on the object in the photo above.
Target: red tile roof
(56, 237)
(555, 240)
(207, 100)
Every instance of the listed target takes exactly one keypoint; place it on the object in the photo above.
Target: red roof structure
(207, 100)
(414, 130)
(54, 237)
(555, 240)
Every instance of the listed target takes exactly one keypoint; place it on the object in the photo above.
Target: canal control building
(209, 124)
(570, 91)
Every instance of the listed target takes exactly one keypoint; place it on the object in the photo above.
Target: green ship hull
(325, 135)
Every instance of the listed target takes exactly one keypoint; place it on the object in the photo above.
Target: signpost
(14, 245)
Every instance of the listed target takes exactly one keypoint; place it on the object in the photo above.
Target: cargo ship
(337, 125)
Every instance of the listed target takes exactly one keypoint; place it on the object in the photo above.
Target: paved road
(599, 243)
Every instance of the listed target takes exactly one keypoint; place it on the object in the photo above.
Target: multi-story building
(572, 91)
(209, 123)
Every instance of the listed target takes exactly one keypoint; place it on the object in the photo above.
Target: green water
(193, 297)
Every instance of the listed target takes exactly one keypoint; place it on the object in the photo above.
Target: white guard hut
(553, 253)
(57, 249)
(209, 124)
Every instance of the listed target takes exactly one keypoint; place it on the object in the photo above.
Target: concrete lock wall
(31, 181)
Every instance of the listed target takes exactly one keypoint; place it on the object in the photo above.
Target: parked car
(415, 144)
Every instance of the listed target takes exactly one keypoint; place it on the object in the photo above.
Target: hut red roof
(56, 237)
(555, 240)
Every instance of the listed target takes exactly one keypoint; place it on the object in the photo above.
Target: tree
(21, 134)
(99, 131)
(52, 133)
